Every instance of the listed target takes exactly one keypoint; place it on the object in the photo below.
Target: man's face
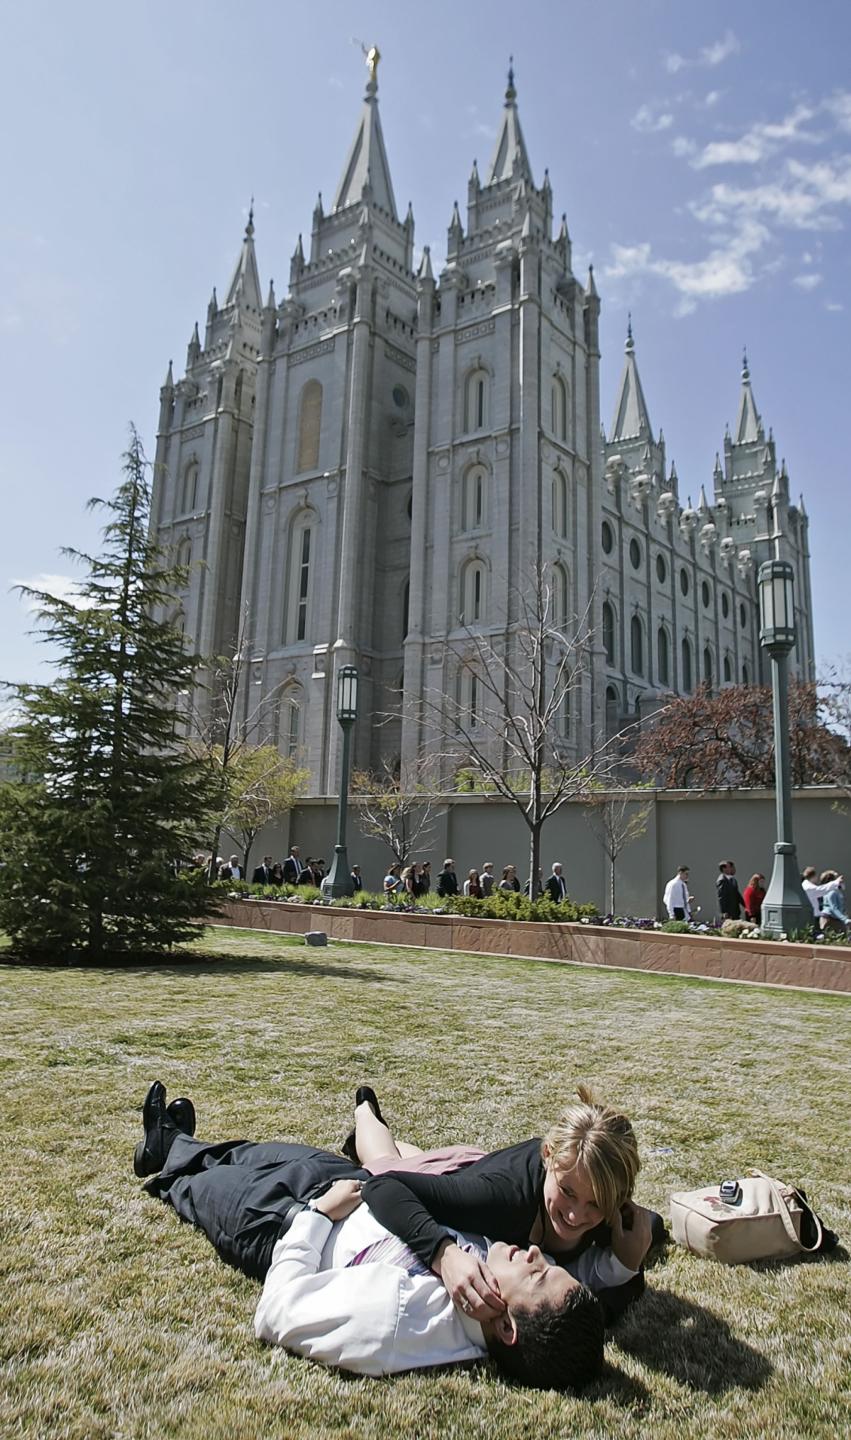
(526, 1278)
(556, 869)
(569, 1200)
(294, 850)
(731, 869)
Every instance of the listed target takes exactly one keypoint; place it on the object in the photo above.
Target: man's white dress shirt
(676, 897)
(375, 1319)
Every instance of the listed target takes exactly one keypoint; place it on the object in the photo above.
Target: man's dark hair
(557, 1347)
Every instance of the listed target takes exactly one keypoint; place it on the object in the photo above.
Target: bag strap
(785, 1216)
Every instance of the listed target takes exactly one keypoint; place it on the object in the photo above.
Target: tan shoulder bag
(763, 1224)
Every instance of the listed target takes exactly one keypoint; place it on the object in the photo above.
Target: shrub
(676, 927)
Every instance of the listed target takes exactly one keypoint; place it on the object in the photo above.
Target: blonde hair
(603, 1141)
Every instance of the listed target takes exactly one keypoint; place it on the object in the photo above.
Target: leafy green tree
(261, 787)
(110, 800)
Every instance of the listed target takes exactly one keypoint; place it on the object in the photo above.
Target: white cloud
(711, 98)
(728, 269)
(810, 281)
(63, 587)
(759, 141)
(839, 106)
(803, 197)
(682, 146)
(833, 306)
(647, 122)
(707, 58)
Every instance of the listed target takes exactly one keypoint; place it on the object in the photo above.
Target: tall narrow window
(293, 729)
(686, 667)
(558, 406)
(611, 710)
(189, 496)
(559, 605)
(184, 553)
(301, 548)
(609, 632)
(707, 668)
(406, 605)
(636, 647)
(559, 505)
(476, 400)
(475, 700)
(662, 660)
(728, 670)
(473, 593)
(746, 680)
(473, 498)
(309, 423)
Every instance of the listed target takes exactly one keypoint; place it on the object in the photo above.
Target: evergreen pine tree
(108, 799)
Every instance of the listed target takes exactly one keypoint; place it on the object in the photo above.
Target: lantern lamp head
(347, 694)
(776, 585)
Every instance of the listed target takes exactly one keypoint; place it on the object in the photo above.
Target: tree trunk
(611, 885)
(214, 870)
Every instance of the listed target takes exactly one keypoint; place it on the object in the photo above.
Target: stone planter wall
(810, 967)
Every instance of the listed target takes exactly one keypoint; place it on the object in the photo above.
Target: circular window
(725, 606)
(705, 595)
(684, 581)
(634, 554)
(661, 569)
(743, 616)
(400, 397)
(607, 539)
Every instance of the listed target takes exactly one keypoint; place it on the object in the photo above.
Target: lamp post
(785, 907)
(338, 881)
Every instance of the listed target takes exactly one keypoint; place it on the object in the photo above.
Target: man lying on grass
(292, 1216)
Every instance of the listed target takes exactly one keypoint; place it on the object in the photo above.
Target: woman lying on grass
(566, 1192)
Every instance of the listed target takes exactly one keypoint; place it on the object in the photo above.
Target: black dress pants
(241, 1194)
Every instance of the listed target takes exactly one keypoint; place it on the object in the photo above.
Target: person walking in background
(677, 899)
(391, 882)
(263, 873)
(509, 879)
(814, 893)
(727, 889)
(487, 879)
(834, 919)
(447, 880)
(424, 880)
(753, 898)
(472, 885)
(232, 870)
(292, 866)
(409, 882)
(356, 878)
(556, 887)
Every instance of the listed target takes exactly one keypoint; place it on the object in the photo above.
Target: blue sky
(702, 155)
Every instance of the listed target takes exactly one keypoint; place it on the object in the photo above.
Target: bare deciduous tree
(402, 817)
(617, 818)
(509, 724)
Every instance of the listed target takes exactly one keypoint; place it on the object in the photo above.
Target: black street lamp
(785, 907)
(338, 881)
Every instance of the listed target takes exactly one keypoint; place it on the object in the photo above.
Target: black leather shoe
(182, 1112)
(150, 1154)
(365, 1095)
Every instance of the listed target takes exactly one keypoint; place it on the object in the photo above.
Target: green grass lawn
(117, 1321)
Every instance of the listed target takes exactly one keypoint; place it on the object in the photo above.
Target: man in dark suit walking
(263, 873)
(555, 886)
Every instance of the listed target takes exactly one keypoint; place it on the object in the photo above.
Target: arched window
(728, 670)
(309, 423)
(473, 600)
(184, 553)
(611, 710)
(189, 493)
(559, 504)
(636, 646)
(559, 605)
(476, 399)
(707, 667)
(663, 666)
(301, 548)
(289, 721)
(563, 716)
(609, 632)
(745, 676)
(558, 408)
(686, 667)
(471, 697)
(473, 498)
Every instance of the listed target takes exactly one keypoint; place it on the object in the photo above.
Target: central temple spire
(509, 157)
(366, 165)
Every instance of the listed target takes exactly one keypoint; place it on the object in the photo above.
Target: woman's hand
(343, 1197)
(631, 1234)
(470, 1283)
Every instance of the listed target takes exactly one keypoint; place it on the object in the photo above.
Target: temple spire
(748, 423)
(510, 157)
(245, 281)
(631, 414)
(366, 165)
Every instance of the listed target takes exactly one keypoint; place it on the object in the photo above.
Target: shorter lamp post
(785, 907)
(338, 881)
